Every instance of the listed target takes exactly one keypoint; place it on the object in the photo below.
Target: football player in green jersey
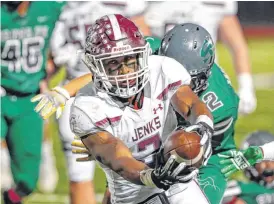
(192, 46)
(26, 28)
(260, 189)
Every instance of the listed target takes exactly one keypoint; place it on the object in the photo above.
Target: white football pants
(189, 193)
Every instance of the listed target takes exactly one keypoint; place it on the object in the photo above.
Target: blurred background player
(260, 188)
(69, 36)
(219, 18)
(26, 28)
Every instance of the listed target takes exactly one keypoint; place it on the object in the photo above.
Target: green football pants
(212, 181)
(22, 129)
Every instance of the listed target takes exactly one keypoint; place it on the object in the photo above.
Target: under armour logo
(159, 107)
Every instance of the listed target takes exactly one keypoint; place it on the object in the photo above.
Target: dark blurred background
(262, 12)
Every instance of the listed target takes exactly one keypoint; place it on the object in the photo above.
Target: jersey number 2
(211, 101)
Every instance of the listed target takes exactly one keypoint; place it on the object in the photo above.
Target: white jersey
(162, 16)
(70, 32)
(142, 131)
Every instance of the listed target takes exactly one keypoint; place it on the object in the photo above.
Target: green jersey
(223, 102)
(25, 45)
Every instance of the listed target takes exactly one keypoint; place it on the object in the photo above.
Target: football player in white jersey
(215, 17)
(125, 115)
(69, 36)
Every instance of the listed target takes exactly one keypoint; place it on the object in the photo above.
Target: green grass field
(262, 59)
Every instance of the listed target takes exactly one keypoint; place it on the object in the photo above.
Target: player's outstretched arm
(187, 103)
(112, 152)
(55, 99)
(237, 160)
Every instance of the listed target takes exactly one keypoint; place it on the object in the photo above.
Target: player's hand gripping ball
(186, 148)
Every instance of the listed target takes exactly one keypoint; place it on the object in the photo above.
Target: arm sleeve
(268, 150)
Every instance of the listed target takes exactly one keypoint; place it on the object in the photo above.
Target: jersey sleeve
(173, 76)
(224, 121)
(175, 72)
(84, 114)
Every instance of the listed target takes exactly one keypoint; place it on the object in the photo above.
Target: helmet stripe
(116, 29)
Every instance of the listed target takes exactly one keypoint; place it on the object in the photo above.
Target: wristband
(205, 119)
(145, 177)
(62, 91)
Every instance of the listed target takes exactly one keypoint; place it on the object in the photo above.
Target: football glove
(248, 101)
(79, 148)
(206, 132)
(165, 174)
(235, 160)
(51, 102)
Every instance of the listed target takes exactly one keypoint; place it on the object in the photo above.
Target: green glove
(235, 160)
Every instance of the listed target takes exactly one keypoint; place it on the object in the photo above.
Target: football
(186, 147)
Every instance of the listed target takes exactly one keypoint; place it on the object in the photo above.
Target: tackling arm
(55, 99)
(76, 84)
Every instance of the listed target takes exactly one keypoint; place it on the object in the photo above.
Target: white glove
(51, 102)
(204, 127)
(248, 101)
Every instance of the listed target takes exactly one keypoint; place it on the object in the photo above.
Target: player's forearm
(129, 168)
(187, 103)
(76, 84)
(199, 112)
(115, 155)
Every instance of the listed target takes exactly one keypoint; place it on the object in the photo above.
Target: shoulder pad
(85, 111)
